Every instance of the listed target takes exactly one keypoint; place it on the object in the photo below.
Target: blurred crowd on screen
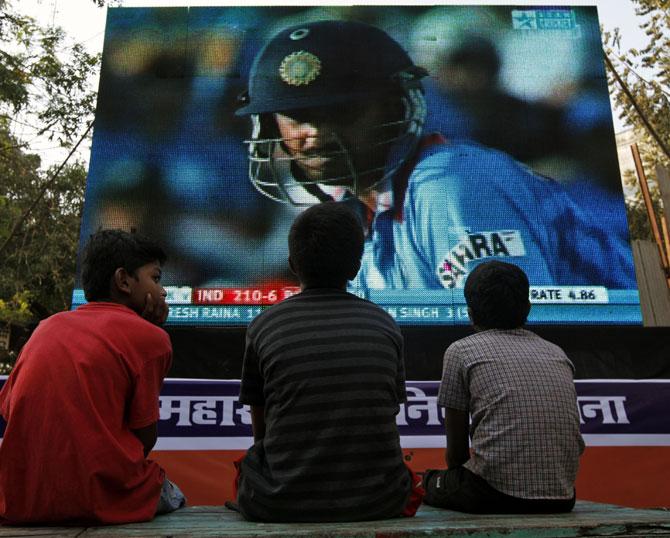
(168, 156)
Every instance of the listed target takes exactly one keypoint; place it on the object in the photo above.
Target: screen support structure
(662, 243)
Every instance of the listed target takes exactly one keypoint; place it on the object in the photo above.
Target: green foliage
(16, 309)
(40, 259)
(652, 94)
(38, 72)
(46, 83)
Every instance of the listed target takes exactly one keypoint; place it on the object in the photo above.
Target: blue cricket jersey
(465, 204)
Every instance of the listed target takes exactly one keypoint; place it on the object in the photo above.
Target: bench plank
(32, 532)
(588, 519)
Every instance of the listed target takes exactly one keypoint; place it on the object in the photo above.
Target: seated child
(324, 375)
(81, 404)
(519, 391)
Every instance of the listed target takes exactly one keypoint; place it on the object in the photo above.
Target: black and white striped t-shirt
(328, 367)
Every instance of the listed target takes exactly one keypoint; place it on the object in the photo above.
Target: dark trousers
(462, 490)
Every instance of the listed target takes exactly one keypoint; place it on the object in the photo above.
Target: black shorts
(462, 490)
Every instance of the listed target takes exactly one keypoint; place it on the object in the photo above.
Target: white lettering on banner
(611, 408)
(229, 412)
(417, 404)
(419, 408)
(244, 414)
(204, 410)
(183, 408)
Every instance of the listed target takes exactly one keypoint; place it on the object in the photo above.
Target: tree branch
(40, 195)
(633, 102)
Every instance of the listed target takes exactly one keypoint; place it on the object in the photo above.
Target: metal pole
(666, 239)
(650, 207)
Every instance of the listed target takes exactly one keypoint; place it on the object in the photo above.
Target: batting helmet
(320, 64)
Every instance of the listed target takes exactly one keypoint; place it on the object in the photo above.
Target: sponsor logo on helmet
(452, 270)
(300, 68)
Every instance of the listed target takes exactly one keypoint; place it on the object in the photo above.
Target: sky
(84, 22)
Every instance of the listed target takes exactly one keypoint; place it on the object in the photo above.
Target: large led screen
(459, 134)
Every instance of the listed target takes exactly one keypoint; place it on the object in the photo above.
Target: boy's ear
(121, 281)
(291, 267)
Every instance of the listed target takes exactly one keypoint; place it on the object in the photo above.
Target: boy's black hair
(106, 251)
(497, 294)
(326, 244)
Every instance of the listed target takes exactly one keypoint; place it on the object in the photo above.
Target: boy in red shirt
(81, 405)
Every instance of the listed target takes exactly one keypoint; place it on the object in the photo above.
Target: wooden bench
(588, 519)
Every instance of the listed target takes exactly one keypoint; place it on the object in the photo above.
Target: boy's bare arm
(258, 421)
(457, 423)
(147, 436)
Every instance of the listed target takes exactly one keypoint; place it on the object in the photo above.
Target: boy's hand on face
(155, 310)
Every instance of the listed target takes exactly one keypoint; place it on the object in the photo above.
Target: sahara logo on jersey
(452, 270)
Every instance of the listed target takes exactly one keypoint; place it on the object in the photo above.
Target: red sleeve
(143, 409)
(5, 394)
